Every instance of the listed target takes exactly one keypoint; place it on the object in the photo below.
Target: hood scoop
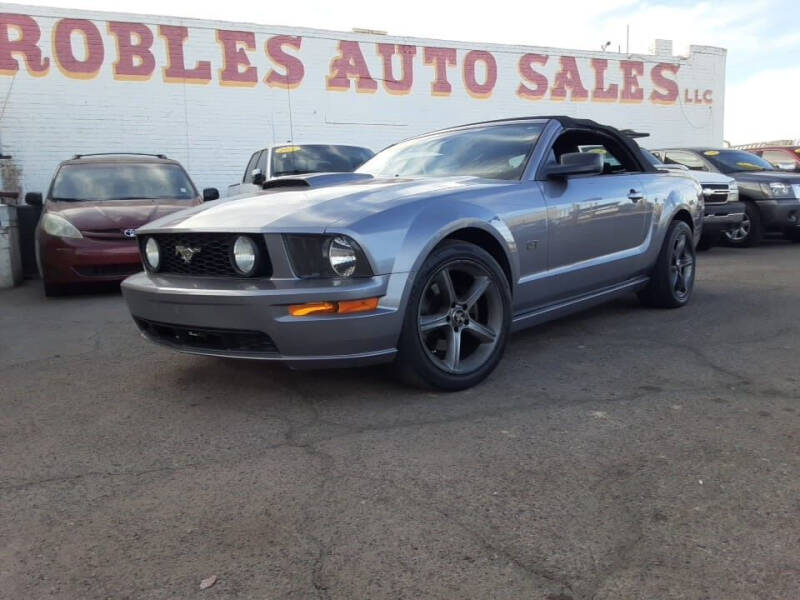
(314, 180)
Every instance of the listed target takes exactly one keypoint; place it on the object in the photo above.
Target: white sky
(762, 36)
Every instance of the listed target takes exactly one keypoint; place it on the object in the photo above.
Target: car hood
(116, 214)
(707, 177)
(314, 210)
(766, 177)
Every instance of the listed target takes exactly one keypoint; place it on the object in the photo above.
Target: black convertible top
(624, 137)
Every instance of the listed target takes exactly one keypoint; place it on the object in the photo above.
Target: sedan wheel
(682, 266)
(457, 319)
(460, 317)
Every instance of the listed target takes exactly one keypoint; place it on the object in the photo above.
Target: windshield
(491, 152)
(728, 161)
(121, 181)
(322, 158)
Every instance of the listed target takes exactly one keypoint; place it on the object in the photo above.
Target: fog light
(244, 255)
(152, 254)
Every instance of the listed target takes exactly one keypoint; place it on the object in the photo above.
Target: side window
(687, 159)
(248, 172)
(262, 163)
(617, 159)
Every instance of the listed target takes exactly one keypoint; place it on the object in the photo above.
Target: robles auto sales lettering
(81, 48)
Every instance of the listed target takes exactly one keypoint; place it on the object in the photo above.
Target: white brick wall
(212, 129)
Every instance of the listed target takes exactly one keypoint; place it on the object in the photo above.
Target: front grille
(213, 256)
(719, 195)
(206, 338)
(108, 234)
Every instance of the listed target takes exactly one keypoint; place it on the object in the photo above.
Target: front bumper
(719, 218)
(85, 260)
(780, 213)
(200, 314)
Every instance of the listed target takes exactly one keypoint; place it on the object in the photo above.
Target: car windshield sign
(729, 161)
(490, 152)
(109, 182)
(317, 158)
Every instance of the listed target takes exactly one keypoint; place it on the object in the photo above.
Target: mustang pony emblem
(186, 252)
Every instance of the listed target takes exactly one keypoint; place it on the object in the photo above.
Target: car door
(598, 225)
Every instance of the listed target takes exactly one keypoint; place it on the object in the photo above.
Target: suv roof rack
(77, 156)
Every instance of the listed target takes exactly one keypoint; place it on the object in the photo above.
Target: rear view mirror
(33, 198)
(257, 176)
(576, 163)
(210, 194)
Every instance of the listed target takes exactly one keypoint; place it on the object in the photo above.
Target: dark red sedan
(95, 203)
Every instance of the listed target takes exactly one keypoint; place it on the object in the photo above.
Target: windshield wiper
(138, 198)
(59, 199)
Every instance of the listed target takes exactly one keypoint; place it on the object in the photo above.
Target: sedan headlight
(326, 256)
(59, 227)
(777, 189)
(152, 254)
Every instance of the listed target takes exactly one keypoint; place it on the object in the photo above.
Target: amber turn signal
(328, 308)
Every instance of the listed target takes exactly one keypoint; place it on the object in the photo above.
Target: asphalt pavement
(623, 453)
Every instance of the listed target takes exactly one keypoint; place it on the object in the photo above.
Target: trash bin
(10, 263)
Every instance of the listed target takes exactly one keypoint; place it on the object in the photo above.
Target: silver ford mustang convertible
(429, 255)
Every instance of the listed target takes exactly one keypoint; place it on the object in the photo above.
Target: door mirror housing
(210, 194)
(33, 198)
(576, 163)
(257, 177)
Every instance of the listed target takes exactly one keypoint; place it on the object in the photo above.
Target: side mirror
(33, 198)
(576, 163)
(210, 194)
(257, 176)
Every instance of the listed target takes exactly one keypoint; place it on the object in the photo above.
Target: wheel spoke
(452, 357)
(446, 286)
(430, 322)
(476, 291)
(674, 275)
(680, 246)
(481, 332)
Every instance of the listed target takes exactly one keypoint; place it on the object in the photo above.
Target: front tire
(750, 231)
(457, 319)
(672, 280)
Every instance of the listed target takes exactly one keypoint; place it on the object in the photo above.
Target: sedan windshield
(491, 152)
(729, 161)
(121, 181)
(317, 158)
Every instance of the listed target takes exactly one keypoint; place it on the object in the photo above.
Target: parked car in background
(783, 158)
(723, 211)
(439, 248)
(297, 159)
(87, 230)
(771, 198)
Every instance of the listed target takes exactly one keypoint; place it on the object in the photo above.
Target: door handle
(635, 195)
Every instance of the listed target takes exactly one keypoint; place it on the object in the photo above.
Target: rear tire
(672, 280)
(457, 319)
(751, 230)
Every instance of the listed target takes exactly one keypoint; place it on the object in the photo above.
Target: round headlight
(342, 256)
(152, 254)
(244, 255)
